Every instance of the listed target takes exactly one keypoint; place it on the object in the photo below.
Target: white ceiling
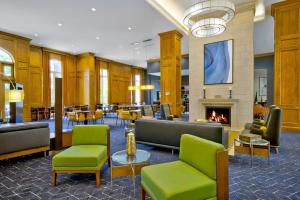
(81, 26)
(110, 23)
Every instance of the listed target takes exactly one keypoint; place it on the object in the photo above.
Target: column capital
(171, 33)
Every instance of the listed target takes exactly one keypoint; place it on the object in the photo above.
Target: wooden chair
(99, 116)
(124, 116)
(71, 118)
(34, 115)
(90, 117)
(81, 118)
(41, 113)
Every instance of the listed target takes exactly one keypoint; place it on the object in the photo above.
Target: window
(6, 74)
(7, 104)
(55, 72)
(7, 70)
(5, 57)
(104, 86)
(137, 80)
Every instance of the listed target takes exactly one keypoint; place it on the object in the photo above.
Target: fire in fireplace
(221, 115)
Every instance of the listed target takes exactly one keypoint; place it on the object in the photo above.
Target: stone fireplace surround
(221, 103)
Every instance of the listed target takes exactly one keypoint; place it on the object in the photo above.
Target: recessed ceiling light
(93, 9)
(97, 38)
(36, 35)
(59, 24)
(130, 28)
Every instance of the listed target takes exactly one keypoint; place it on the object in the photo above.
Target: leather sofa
(23, 138)
(165, 133)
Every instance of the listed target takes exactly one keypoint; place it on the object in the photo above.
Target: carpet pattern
(28, 177)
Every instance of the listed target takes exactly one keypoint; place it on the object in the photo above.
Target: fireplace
(218, 114)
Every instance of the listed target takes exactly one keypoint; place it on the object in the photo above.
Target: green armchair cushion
(200, 153)
(80, 156)
(177, 181)
(89, 135)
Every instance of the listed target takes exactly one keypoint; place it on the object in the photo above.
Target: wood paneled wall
(120, 77)
(287, 62)
(80, 73)
(18, 47)
(86, 80)
(70, 80)
(36, 72)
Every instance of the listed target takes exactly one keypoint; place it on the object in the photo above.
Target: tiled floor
(29, 177)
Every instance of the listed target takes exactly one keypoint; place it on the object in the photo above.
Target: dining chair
(90, 117)
(81, 118)
(71, 118)
(99, 116)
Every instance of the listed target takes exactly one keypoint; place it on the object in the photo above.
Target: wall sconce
(142, 87)
(13, 95)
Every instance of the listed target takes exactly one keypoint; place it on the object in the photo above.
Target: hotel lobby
(154, 99)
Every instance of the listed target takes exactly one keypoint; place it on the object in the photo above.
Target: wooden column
(287, 62)
(170, 70)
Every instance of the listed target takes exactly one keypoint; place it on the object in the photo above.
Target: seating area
(151, 100)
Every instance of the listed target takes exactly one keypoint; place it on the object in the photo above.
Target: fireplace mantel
(219, 102)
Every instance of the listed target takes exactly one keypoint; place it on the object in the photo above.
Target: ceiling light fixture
(36, 35)
(135, 43)
(59, 24)
(93, 9)
(202, 26)
(97, 38)
(130, 28)
(208, 27)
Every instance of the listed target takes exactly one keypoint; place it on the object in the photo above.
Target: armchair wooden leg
(276, 150)
(53, 178)
(108, 162)
(143, 193)
(98, 178)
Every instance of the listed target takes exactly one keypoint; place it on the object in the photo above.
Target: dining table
(85, 112)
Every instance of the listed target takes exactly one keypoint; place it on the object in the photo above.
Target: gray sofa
(167, 134)
(23, 138)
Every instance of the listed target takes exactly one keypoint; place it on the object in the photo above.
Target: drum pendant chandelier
(206, 27)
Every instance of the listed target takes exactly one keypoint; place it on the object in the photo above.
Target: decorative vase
(131, 146)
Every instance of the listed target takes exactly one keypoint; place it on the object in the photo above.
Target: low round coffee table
(259, 147)
(129, 165)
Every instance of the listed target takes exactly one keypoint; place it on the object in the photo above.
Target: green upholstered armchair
(200, 173)
(89, 151)
(272, 130)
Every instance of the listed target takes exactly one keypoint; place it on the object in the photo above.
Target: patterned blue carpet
(29, 177)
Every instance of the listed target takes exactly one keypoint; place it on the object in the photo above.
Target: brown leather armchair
(272, 129)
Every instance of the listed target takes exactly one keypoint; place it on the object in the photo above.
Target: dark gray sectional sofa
(167, 134)
(23, 138)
